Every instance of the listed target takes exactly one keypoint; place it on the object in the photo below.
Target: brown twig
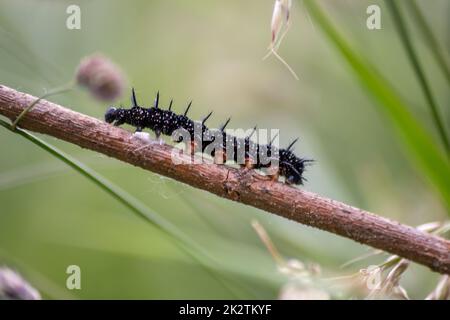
(243, 186)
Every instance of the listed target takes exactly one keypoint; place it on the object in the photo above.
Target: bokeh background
(210, 52)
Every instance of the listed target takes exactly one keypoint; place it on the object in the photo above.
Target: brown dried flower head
(103, 78)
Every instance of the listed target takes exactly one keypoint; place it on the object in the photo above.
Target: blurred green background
(210, 52)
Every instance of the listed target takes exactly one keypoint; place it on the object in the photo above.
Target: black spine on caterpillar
(166, 122)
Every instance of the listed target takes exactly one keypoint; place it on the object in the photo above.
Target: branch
(243, 186)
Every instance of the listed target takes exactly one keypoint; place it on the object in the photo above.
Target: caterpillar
(255, 156)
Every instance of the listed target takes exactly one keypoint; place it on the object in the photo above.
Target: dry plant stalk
(243, 186)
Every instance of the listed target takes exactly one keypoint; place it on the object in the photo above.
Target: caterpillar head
(294, 171)
(115, 115)
(110, 114)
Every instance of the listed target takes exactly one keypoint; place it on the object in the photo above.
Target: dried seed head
(14, 287)
(397, 271)
(101, 77)
(280, 16)
(389, 286)
(371, 277)
(279, 27)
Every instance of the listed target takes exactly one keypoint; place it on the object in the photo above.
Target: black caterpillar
(166, 122)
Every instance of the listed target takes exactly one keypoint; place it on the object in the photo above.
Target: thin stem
(407, 43)
(262, 233)
(64, 88)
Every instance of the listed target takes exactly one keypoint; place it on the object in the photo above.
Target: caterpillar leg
(220, 157)
(158, 139)
(192, 148)
(273, 173)
(249, 164)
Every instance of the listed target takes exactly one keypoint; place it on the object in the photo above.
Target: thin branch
(247, 187)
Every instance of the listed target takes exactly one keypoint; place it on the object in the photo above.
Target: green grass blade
(413, 57)
(429, 37)
(182, 240)
(424, 151)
